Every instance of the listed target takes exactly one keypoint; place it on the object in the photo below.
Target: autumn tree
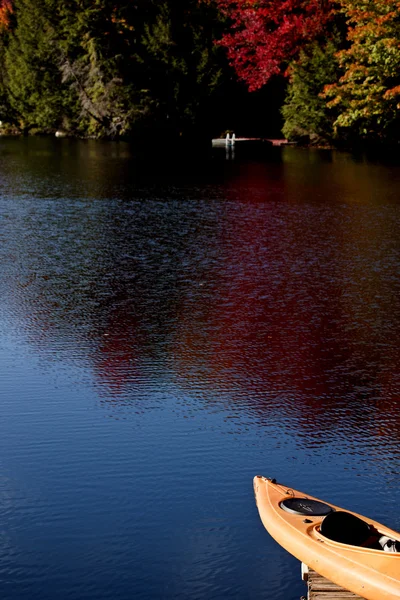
(6, 9)
(367, 96)
(266, 35)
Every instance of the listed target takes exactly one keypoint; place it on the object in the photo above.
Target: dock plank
(320, 588)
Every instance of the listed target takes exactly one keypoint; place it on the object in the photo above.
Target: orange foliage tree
(6, 8)
(367, 96)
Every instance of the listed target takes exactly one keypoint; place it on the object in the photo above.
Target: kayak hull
(372, 574)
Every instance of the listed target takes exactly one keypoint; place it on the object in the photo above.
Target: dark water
(169, 329)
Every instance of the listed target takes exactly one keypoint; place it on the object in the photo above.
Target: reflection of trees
(277, 310)
(98, 281)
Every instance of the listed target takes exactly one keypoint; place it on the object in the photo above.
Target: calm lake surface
(168, 330)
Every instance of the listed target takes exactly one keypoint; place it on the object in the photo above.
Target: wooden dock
(320, 588)
(229, 142)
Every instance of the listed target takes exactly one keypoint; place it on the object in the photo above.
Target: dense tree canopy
(106, 68)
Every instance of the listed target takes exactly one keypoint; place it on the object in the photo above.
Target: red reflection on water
(279, 333)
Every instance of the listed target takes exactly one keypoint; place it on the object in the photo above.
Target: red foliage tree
(266, 34)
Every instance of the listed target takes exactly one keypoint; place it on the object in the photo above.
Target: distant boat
(350, 550)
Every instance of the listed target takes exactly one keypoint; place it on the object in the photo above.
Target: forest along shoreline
(323, 74)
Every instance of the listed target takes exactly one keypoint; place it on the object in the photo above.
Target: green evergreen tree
(33, 78)
(7, 115)
(97, 46)
(306, 115)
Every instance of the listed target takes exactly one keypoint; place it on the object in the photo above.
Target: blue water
(171, 328)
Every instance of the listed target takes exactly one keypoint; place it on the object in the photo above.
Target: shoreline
(155, 139)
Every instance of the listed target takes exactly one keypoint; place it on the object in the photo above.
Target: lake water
(170, 328)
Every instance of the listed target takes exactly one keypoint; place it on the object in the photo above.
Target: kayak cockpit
(346, 528)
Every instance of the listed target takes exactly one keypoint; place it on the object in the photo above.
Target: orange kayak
(354, 552)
